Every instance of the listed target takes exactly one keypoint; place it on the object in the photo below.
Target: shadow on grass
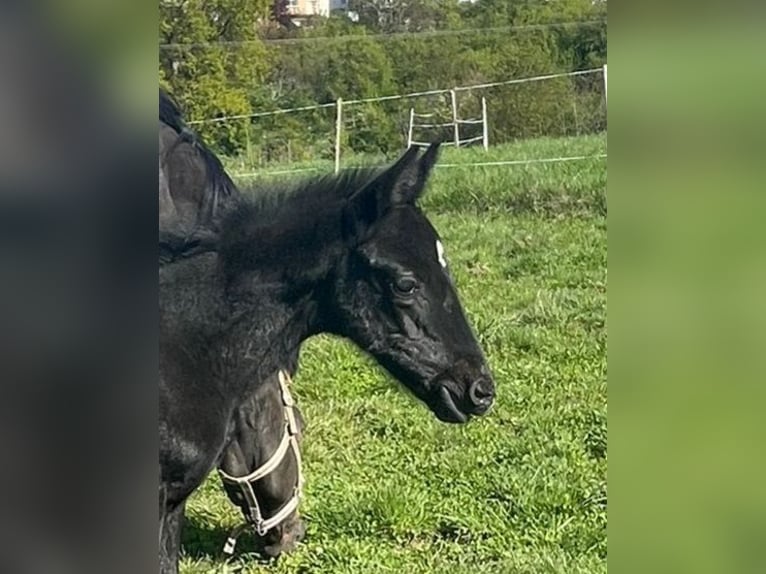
(200, 540)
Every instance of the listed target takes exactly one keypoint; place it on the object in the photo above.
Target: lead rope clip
(231, 541)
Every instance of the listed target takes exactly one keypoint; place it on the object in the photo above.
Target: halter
(289, 442)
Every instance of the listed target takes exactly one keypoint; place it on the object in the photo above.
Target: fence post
(453, 98)
(604, 82)
(484, 124)
(338, 128)
(409, 131)
(248, 145)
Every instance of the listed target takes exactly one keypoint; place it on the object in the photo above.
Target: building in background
(299, 9)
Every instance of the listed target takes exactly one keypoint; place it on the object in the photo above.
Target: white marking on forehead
(440, 254)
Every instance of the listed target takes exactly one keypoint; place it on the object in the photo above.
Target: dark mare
(351, 255)
(260, 468)
(194, 189)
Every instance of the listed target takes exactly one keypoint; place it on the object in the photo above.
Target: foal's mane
(290, 222)
(300, 199)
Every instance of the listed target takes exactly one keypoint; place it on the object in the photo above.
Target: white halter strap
(245, 483)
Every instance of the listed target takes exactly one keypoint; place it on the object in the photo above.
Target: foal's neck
(266, 328)
(278, 254)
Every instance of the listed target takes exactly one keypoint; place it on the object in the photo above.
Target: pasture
(522, 490)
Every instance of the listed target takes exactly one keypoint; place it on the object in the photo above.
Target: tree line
(237, 57)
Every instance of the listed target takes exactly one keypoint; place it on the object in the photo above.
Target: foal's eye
(405, 285)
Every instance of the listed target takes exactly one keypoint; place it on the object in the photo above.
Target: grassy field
(389, 488)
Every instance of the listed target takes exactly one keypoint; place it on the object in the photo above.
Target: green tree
(335, 57)
(211, 79)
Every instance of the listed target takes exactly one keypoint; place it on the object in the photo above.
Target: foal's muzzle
(460, 392)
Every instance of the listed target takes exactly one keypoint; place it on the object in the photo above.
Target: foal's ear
(411, 180)
(400, 184)
(370, 203)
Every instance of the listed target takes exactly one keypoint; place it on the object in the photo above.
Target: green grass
(391, 489)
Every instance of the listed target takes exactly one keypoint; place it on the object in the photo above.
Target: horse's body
(350, 255)
(194, 193)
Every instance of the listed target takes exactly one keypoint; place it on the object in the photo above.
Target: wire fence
(462, 165)
(407, 96)
(546, 105)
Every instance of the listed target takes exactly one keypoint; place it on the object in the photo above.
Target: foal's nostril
(481, 392)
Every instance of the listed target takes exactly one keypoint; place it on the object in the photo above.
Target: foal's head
(259, 446)
(358, 247)
(394, 296)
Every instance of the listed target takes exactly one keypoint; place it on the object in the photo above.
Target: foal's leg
(170, 539)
